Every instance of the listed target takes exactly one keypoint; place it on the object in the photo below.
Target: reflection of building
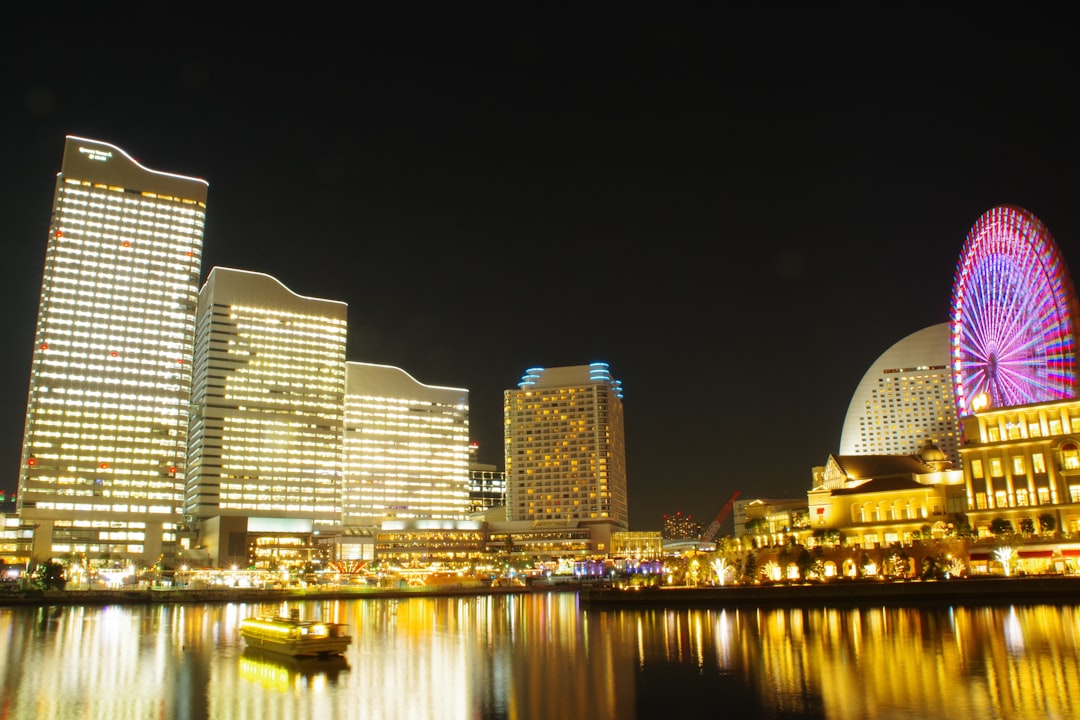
(406, 448)
(903, 399)
(107, 412)
(564, 446)
(1022, 470)
(267, 418)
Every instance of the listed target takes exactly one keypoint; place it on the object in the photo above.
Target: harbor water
(538, 655)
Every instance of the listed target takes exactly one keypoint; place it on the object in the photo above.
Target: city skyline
(755, 208)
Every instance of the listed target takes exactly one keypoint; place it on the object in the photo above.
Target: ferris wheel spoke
(1014, 312)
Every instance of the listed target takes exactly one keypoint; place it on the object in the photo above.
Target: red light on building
(58, 234)
(104, 466)
(125, 244)
(32, 462)
(44, 346)
(113, 353)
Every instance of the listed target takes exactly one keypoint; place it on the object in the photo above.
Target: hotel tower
(103, 458)
(565, 447)
(406, 448)
(905, 399)
(267, 415)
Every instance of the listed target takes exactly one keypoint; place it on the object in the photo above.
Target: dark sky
(738, 211)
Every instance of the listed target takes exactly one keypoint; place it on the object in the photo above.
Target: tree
(1001, 527)
(750, 566)
(804, 562)
(1047, 523)
(48, 576)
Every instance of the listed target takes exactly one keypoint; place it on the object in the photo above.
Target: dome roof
(931, 453)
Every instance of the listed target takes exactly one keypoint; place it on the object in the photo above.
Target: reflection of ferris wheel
(1014, 315)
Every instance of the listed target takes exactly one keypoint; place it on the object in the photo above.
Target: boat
(295, 637)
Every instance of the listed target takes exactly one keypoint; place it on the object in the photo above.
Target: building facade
(104, 447)
(406, 448)
(564, 444)
(1022, 467)
(267, 414)
(905, 398)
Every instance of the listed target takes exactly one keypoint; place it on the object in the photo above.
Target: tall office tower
(406, 448)
(564, 446)
(268, 398)
(102, 470)
(905, 399)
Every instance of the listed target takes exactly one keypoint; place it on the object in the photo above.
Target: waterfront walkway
(1031, 589)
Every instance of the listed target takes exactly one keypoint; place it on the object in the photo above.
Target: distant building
(565, 446)
(905, 398)
(267, 418)
(680, 527)
(406, 448)
(103, 460)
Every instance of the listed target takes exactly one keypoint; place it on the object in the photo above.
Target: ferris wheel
(1014, 315)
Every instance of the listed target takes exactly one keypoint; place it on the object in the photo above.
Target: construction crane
(714, 527)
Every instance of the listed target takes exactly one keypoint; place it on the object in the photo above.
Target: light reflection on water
(541, 656)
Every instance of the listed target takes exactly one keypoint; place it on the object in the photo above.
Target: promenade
(237, 595)
(1032, 589)
(1026, 590)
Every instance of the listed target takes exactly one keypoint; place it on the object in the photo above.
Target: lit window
(1037, 464)
(1070, 457)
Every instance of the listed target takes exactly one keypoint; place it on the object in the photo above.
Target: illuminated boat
(295, 637)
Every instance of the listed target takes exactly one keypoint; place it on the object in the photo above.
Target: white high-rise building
(564, 445)
(103, 457)
(267, 420)
(905, 399)
(406, 448)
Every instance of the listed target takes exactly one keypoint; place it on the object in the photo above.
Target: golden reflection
(539, 655)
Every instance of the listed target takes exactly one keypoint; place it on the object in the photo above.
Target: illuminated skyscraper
(565, 447)
(905, 399)
(268, 389)
(406, 448)
(107, 411)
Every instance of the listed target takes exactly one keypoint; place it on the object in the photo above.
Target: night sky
(738, 211)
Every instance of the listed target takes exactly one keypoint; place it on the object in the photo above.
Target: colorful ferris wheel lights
(1014, 315)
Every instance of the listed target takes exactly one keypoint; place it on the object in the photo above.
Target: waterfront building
(406, 448)
(267, 419)
(103, 461)
(765, 516)
(875, 501)
(638, 544)
(564, 445)
(1022, 477)
(905, 398)
(487, 484)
